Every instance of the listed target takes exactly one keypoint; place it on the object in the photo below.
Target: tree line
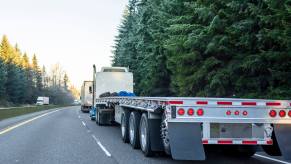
(22, 80)
(207, 48)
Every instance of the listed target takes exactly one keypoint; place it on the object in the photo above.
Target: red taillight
(190, 112)
(200, 112)
(228, 112)
(236, 113)
(245, 113)
(282, 113)
(289, 113)
(272, 113)
(270, 142)
(181, 111)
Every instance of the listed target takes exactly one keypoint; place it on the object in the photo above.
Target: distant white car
(76, 102)
(42, 101)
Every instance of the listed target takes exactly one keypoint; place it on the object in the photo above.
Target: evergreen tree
(207, 48)
(66, 81)
(37, 76)
(2, 77)
(28, 78)
(10, 56)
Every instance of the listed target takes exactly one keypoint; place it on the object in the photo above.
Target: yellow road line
(25, 122)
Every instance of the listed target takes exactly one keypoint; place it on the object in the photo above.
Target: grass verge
(8, 113)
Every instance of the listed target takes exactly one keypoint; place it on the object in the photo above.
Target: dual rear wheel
(135, 130)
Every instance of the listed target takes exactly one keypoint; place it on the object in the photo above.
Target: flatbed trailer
(184, 127)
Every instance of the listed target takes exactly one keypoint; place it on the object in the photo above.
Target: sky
(74, 33)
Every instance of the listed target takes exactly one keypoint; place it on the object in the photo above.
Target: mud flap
(283, 136)
(155, 134)
(186, 141)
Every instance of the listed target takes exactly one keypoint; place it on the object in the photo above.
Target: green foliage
(21, 82)
(2, 78)
(13, 112)
(207, 48)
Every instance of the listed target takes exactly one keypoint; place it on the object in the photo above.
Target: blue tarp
(124, 93)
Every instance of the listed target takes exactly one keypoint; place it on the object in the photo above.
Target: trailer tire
(124, 126)
(247, 151)
(165, 135)
(134, 120)
(274, 149)
(97, 115)
(144, 136)
(242, 151)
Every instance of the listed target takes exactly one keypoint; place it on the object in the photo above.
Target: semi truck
(184, 127)
(86, 96)
(42, 101)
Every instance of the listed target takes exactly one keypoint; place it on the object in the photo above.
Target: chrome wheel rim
(143, 135)
(122, 127)
(131, 130)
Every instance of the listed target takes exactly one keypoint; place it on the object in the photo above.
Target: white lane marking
(83, 123)
(79, 116)
(272, 159)
(101, 146)
(26, 122)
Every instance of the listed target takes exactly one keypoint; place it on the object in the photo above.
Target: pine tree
(3, 75)
(207, 48)
(10, 57)
(37, 76)
(66, 81)
(29, 88)
(20, 83)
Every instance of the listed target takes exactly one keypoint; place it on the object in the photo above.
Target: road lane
(56, 138)
(69, 136)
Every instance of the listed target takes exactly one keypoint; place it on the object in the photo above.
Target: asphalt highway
(66, 135)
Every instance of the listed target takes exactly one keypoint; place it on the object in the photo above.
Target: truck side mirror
(90, 89)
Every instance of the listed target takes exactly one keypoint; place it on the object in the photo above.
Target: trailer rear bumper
(231, 120)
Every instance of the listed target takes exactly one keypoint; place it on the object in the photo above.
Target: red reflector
(200, 112)
(190, 112)
(250, 142)
(245, 113)
(181, 111)
(272, 113)
(273, 104)
(289, 113)
(249, 103)
(236, 113)
(201, 102)
(270, 142)
(205, 141)
(224, 103)
(228, 112)
(175, 102)
(224, 141)
(282, 113)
